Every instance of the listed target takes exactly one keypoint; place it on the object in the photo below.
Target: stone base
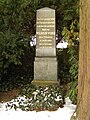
(45, 82)
(45, 68)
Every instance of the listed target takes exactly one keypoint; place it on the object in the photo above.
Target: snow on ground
(60, 114)
(62, 45)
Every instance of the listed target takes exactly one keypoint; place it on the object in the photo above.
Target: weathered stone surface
(45, 65)
(45, 32)
(45, 68)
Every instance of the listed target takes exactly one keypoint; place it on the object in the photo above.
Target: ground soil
(9, 95)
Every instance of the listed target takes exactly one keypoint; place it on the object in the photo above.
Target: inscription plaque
(45, 32)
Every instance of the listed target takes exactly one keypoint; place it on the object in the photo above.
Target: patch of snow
(62, 45)
(60, 114)
(58, 98)
(33, 41)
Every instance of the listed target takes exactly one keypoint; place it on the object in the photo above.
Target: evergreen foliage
(13, 40)
(18, 24)
(38, 98)
(72, 35)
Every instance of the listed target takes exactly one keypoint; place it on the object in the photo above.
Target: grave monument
(45, 64)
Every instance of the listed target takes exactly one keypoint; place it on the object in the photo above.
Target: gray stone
(45, 64)
(45, 32)
(45, 68)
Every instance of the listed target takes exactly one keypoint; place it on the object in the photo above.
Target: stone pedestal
(45, 68)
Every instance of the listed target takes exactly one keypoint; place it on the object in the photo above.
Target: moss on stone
(45, 82)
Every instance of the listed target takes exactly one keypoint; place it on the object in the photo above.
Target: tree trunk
(84, 62)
